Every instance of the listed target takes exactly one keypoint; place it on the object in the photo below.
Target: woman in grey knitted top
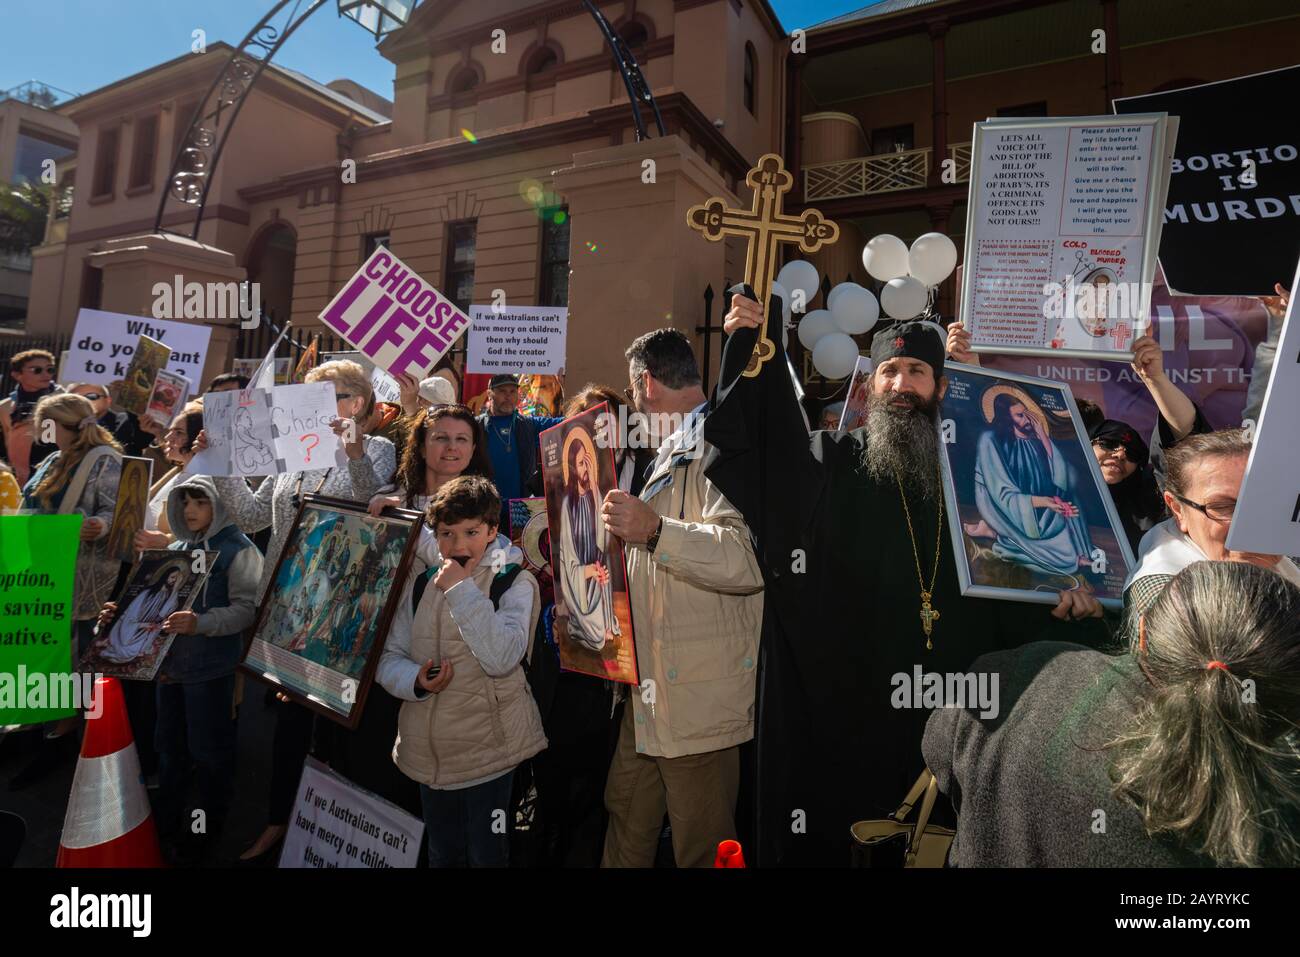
(371, 462)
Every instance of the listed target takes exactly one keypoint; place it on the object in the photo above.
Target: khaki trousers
(698, 791)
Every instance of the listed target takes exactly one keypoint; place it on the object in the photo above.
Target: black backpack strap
(418, 586)
(502, 582)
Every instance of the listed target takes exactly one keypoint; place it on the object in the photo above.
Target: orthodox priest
(863, 595)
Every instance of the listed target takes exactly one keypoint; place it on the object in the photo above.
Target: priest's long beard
(903, 442)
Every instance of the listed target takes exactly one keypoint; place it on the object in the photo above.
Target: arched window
(634, 35)
(463, 80)
(542, 60)
(751, 81)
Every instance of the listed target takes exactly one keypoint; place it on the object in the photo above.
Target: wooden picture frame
(314, 596)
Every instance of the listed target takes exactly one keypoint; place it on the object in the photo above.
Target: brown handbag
(892, 842)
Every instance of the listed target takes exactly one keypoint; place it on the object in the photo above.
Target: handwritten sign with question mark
(314, 441)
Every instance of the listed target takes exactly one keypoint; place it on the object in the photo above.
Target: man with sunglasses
(33, 371)
(124, 426)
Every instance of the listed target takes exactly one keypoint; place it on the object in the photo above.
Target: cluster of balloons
(851, 309)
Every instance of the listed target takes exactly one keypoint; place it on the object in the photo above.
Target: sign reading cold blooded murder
(398, 321)
(1062, 231)
(1232, 217)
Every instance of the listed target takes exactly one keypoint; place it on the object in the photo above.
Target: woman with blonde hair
(81, 478)
(370, 464)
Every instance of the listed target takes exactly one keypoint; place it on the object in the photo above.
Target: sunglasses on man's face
(37, 370)
(94, 396)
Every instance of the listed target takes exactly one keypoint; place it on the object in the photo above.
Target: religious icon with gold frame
(593, 610)
(1028, 510)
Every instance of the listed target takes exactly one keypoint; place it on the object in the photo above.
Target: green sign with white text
(38, 563)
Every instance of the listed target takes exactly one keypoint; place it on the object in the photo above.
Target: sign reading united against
(398, 321)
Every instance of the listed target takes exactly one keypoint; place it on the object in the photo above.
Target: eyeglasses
(1216, 512)
(37, 370)
(344, 395)
(1110, 445)
(94, 396)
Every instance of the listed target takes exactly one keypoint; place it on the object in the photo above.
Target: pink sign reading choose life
(397, 319)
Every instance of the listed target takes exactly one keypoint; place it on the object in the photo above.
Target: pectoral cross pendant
(928, 617)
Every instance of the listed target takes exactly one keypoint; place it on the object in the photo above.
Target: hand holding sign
(349, 437)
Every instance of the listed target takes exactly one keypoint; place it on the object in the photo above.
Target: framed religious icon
(530, 531)
(1028, 511)
(593, 613)
(335, 587)
(164, 580)
(149, 358)
(129, 512)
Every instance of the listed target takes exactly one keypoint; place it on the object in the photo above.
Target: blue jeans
(195, 724)
(463, 827)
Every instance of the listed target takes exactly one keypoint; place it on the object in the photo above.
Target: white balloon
(885, 257)
(835, 293)
(835, 355)
(904, 298)
(854, 310)
(800, 275)
(814, 326)
(932, 258)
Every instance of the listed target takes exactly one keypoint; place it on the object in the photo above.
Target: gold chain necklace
(928, 615)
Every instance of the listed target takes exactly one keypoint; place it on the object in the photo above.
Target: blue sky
(81, 45)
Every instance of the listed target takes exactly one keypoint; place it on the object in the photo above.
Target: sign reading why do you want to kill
(399, 321)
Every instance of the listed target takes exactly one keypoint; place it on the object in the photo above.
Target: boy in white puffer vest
(455, 655)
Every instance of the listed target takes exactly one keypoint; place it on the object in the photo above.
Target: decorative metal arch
(191, 174)
(638, 90)
(190, 177)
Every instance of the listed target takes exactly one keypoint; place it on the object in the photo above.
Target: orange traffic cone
(109, 822)
(729, 855)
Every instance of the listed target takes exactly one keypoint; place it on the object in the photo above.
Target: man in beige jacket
(697, 609)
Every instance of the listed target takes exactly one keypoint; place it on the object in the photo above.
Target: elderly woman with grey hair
(1181, 752)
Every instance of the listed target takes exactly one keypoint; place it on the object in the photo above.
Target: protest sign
(265, 432)
(517, 339)
(169, 395)
(148, 359)
(104, 342)
(854, 415)
(337, 824)
(1061, 233)
(385, 386)
(38, 563)
(248, 367)
(1231, 217)
(1267, 519)
(397, 319)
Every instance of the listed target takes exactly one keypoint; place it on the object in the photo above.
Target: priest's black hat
(915, 340)
(1112, 434)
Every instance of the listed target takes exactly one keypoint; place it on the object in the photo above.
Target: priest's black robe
(842, 632)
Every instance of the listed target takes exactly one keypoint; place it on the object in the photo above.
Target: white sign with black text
(337, 824)
(1267, 519)
(517, 339)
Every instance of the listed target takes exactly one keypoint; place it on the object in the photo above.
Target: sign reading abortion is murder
(1232, 218)
(397, 320)
(517, 339)
(336, 824)
(103, 343)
